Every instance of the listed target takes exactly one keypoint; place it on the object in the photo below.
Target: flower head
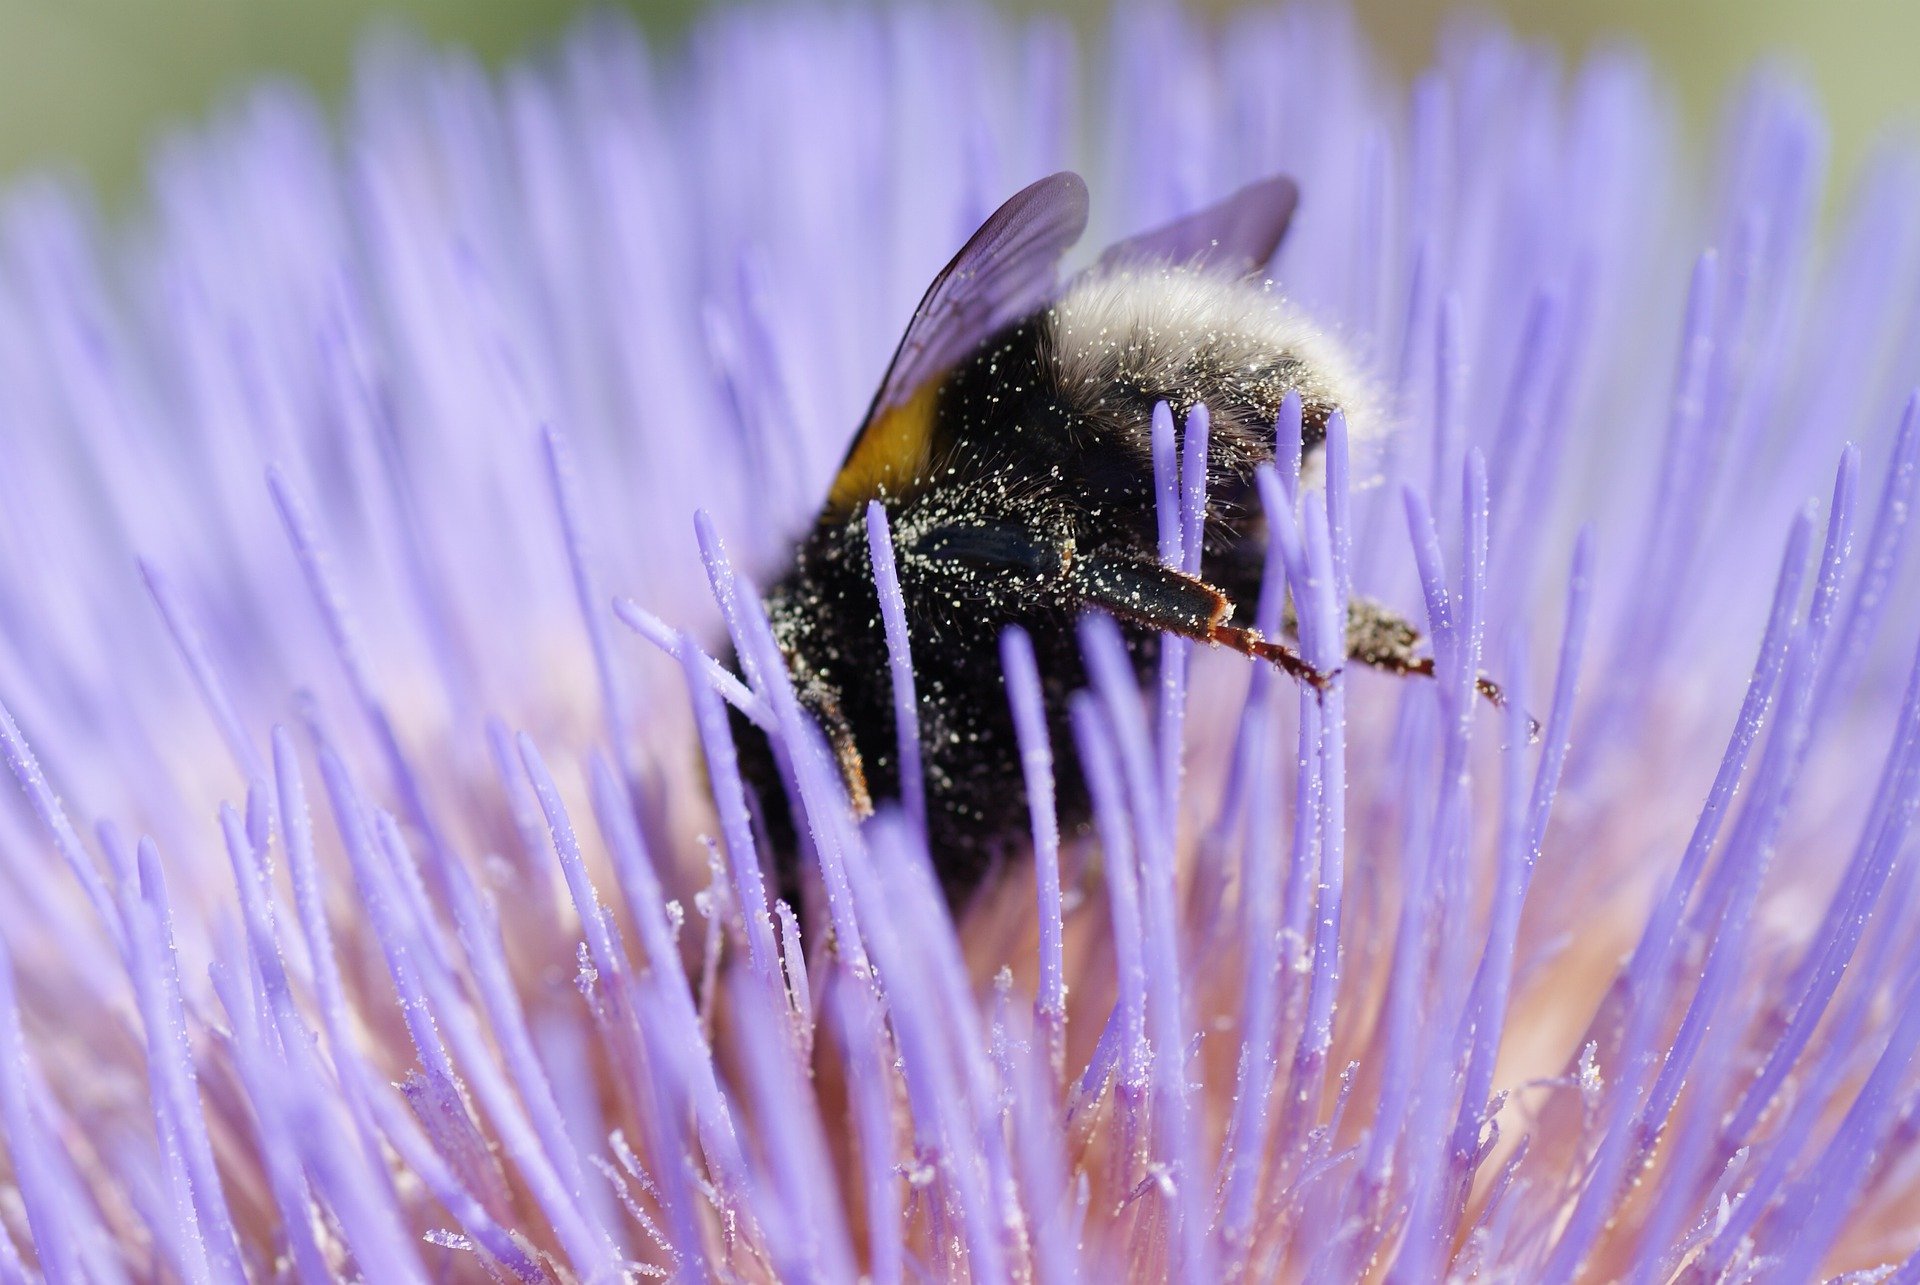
(377, 903)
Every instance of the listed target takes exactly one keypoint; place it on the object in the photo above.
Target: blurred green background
(86, 84)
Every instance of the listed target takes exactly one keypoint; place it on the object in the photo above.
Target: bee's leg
(853, 769)
(822, 699)
(1378, 637)
(1129, 586)
(1159, 597)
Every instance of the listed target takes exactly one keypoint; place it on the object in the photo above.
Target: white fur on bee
(1153, 325)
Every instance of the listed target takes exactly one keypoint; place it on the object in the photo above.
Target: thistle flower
(376, 905)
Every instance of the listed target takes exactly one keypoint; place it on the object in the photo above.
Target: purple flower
(375, 904)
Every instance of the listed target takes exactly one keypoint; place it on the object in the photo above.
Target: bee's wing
(1239, 234)
(1004, 272)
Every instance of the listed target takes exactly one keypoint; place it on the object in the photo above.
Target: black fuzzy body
(1032, 473)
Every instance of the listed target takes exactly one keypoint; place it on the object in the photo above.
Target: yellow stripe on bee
(893, 455)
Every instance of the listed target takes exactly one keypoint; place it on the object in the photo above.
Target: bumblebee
(1010, 447)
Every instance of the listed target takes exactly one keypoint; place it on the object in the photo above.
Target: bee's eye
(999, 547)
